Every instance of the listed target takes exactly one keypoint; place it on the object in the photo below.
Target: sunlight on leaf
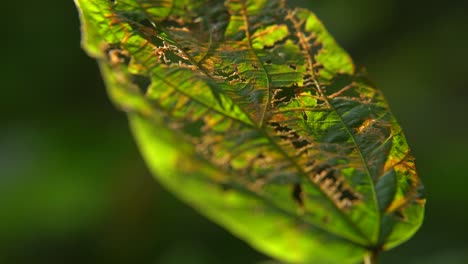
(250, 112)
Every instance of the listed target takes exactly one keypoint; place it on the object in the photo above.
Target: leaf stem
(371, 258)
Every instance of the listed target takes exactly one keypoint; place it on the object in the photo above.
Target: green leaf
(250, 112)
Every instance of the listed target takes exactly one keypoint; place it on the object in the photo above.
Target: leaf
(250, 112)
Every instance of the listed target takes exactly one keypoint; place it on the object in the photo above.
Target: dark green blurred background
(73, 188)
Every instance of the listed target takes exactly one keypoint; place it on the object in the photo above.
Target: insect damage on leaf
(259, 102)
(335, 187)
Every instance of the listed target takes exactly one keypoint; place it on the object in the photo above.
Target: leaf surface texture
(250, 112)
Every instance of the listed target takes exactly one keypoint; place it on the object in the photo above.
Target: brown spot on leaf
(116, 55)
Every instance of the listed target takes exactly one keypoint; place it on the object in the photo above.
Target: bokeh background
(74, 189)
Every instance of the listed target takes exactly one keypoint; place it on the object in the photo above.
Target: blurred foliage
(73, 188)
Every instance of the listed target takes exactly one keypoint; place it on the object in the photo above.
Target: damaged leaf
(250, 112)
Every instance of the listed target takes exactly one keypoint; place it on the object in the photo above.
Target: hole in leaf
(225, 186)
(194, 128)
(300, 143)
(148, 23)
(347, 194)
(287, 133)
(335, 187)
(117, 56)
(297, 194)
(399, 214)
(143, 82)
(283, 95)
